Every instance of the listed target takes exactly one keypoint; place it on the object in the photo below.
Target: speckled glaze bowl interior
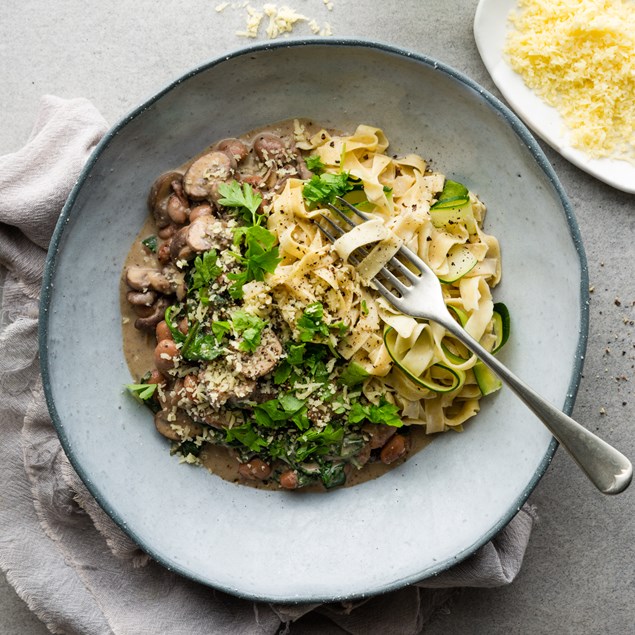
(424, 515)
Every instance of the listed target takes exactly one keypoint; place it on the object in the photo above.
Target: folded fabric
(66, 558)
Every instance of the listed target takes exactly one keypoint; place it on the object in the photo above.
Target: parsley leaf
(333, 475)
(245, 199)
(176, 333)
(142, 391)
(261, 256)
(385, 413)
(311, 324)
(189, 447)
(220, 329)
(282, 373)
(295, 354)
(247, 436)
(151, 243)
(276, 412)
(206, 270)
(325, 187)
(314, 164)
(199, 346)
(250, 327)
(318, 441)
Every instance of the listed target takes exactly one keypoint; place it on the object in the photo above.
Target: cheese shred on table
(579, 56)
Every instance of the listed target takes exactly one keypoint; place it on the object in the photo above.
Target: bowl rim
(539, 156)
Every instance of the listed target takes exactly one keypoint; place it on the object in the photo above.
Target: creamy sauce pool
(138, 347)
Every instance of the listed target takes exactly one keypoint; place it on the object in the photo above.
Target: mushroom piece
(203, 209)
(269, 147)
(264, 359)
(202, 234)
(140, 298)
(203, 177)
(160, 193)
(234, 148)
(181, 427)
(255, 469)
(378, 433)
(178, 206)
(145, 278)
(149, 322)
(396, 447)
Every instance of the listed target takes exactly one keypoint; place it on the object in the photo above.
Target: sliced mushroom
(182, 427)
(204, 209)
(150, 321)
(255, 469)
(202, 234)
(140, 298)
(234, 148)
(170, 396)
(176, 278)
(203, 177)
(240, 391)
(378, 433)
(269, 147)
(257, 182)
(216, 420)
(178, 206)
(145, 278)
(159, 196)
(264, 359)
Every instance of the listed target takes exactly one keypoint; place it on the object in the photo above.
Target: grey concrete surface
(579, 573)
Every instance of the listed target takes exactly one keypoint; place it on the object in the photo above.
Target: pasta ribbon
(398, 194)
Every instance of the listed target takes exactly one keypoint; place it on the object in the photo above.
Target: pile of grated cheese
(281, 20)
(579, 57)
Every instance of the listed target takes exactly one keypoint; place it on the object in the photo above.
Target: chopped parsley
(176, 333)
(142, 391)
(250, 327)
(276, 412)
(385, 413)
(260, 250)
(314, 164)
(151, 243)
(323, 188)
(261, 256)
(247, 436)
(206, 270)
(244, 199)
(312, 327)
(220, 329)
(200, 346)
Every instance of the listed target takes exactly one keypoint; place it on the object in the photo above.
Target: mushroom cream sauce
(270, 339)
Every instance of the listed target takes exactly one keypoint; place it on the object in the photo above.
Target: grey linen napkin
(71, 564)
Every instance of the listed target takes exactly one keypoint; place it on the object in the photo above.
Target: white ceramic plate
(424, 515)
(490, 29)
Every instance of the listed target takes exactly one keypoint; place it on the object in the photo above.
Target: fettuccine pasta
(398, 193)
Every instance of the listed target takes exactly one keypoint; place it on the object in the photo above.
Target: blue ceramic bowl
(424, 515)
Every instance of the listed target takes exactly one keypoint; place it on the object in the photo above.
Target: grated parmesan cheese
(579, 57)
(281, 20)
(254, 18)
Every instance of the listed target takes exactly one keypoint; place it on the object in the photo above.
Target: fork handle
(609, 470)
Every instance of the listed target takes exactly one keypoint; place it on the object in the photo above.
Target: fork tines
(398, 266)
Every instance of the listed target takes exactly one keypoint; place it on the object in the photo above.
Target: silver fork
(421, 297)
